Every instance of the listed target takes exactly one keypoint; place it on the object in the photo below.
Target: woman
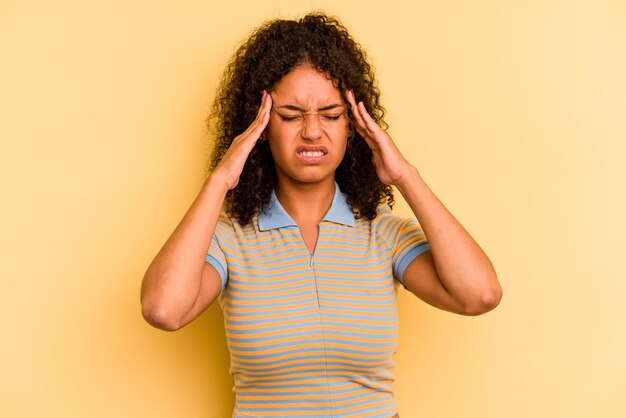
(293, 232)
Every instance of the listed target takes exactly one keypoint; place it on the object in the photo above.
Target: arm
(455, 275)
(179, 285)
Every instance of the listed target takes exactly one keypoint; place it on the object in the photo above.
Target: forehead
(305, 85)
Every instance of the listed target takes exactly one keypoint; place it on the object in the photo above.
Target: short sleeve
(404, 237)
(215, 256)
(411, 243)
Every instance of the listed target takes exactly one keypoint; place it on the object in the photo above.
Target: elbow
(485, 301)
(160, 317)
(157, 309)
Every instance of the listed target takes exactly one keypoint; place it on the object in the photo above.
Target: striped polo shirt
(313, 335)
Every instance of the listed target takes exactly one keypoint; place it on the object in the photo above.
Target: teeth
(312, 153)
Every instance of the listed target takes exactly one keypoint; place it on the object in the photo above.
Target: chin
(309, 175)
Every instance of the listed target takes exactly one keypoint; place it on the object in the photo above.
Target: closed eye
(329, 117)
(288, 118)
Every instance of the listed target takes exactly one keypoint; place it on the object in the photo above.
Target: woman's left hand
(390, 164)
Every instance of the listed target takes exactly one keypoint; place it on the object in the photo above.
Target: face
(308, 127)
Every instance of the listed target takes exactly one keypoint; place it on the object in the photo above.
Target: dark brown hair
(272, 51)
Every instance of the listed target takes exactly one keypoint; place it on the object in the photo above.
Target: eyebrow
(299, 109)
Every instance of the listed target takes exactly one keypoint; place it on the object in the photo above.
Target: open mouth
(311, 154)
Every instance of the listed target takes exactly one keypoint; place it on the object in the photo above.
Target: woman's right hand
(230, 167)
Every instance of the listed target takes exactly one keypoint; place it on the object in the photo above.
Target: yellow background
(513, 111)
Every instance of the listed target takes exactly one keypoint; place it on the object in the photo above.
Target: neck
(306, 203)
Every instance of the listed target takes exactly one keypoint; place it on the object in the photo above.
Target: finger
(261, 117)
(266, 107)
(254, 131)
(378, 138)
(361, 123)
(366, 126)
(369, 122)
(264, 110)
(356, 117)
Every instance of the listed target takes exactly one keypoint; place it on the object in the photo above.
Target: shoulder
(228, 226)
(396, 230)
(225, 223)
(385, 220)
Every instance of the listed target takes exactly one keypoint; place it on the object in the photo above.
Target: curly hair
(272, 51)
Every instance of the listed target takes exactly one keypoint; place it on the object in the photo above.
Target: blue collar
(275, 216)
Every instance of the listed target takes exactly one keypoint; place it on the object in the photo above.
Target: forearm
(173, 280)
(462, 267)
(172, 291)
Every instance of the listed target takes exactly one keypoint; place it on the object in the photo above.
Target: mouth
(311, 155)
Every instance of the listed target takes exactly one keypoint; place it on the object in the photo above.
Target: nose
(311, 127)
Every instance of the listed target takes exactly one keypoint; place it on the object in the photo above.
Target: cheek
(344, 148)
(277, 145)
(274, 138)
(346, 128)
(274, 147)
(271, 128)
(340, 144)
(278, 130)
(341, 133)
